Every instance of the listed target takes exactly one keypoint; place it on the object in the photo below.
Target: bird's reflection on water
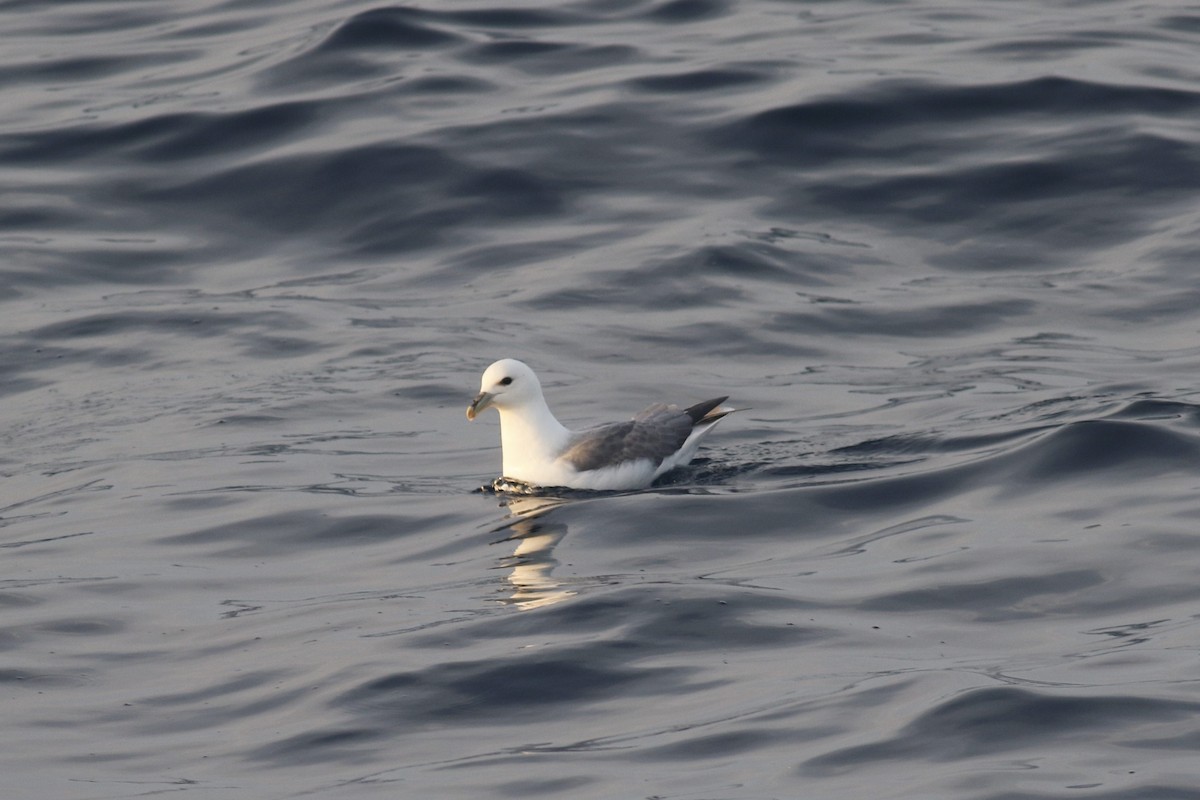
(532, 528)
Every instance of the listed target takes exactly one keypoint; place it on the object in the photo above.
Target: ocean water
(255, 255)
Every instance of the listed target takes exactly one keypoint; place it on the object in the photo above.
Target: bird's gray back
(653, 434)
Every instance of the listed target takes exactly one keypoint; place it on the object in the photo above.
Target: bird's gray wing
(653, 434)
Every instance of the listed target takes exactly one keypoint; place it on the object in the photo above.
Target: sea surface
(255, 254)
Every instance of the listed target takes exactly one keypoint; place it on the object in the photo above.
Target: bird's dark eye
(505, 381)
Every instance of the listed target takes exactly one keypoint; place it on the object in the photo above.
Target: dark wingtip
(701, 411)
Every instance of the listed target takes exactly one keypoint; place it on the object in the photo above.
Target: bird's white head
(506, 384)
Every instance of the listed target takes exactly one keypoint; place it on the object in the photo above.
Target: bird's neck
(530, 436)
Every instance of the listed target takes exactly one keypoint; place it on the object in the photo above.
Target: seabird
(539, 451)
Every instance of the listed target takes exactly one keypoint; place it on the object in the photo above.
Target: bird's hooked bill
(481, 401)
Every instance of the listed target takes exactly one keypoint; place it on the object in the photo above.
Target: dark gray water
(255, 255)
